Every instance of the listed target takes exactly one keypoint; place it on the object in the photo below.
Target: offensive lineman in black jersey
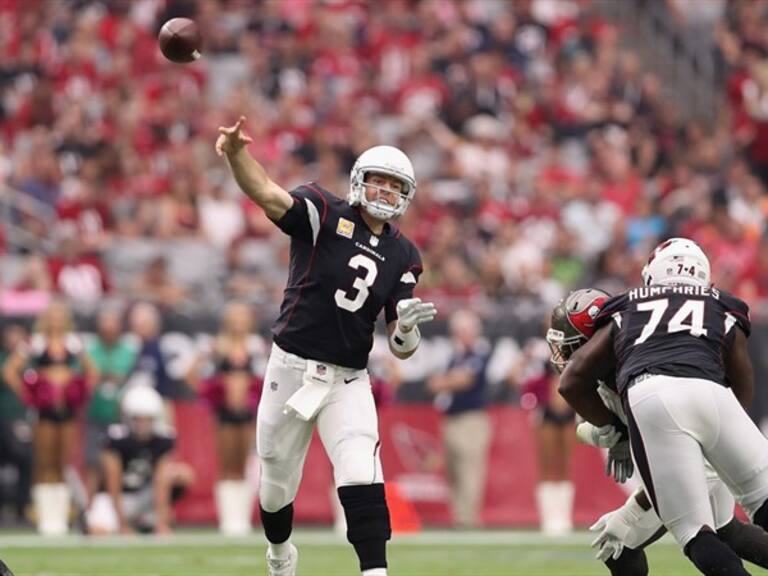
(347, 263)
(628, 530)
(677, 344)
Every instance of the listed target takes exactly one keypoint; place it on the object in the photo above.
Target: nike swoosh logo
(350, 380)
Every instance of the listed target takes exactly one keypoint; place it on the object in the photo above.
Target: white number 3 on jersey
(362, 284)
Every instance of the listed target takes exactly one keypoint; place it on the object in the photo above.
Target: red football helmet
(573, 323)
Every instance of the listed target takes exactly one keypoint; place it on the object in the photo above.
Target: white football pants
(346, 421)
(675, 424)
(720, 499)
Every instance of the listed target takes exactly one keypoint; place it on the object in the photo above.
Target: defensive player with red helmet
(627, 531)
(688, 341)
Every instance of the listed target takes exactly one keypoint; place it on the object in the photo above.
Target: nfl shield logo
(374, 241)
(321, 370)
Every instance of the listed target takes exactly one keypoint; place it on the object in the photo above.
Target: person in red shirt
(79, 276)
(89, 214)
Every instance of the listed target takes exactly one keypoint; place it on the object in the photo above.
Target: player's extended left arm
(404, 335)
(249, 174)
(578, 383)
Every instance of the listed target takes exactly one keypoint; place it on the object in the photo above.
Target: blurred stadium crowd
(546, 154)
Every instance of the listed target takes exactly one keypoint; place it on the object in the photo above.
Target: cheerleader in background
(553, 424)
(233, 392)
(54, 375)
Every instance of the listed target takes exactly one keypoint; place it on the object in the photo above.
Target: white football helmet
(677, 261)
(382, 160)
(142, 402)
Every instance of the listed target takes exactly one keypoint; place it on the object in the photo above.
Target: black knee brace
(278, 525)
(368, 527)
(712, 556)
(748, 541)
(631, 563)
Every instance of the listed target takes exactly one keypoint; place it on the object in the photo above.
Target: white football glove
(412, 311)
(607, 545)
(601, 436)
(616, 529)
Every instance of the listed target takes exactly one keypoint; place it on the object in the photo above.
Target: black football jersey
(341, 276)
(679, 331)
(139, 457)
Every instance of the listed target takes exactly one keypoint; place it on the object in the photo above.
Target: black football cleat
(4, 570)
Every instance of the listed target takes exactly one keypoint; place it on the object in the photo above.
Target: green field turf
(321, 554)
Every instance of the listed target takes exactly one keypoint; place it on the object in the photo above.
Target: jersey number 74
(689, 317)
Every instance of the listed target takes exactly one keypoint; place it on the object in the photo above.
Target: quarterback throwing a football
(347, 263)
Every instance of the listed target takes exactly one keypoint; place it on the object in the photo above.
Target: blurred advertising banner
(410, 430)
(413, 458)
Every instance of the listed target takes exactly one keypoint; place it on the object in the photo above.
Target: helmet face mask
(572, 324)
(387, 161)
(377, 206)
(561, 348)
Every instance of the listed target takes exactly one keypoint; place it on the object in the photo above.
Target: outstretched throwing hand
(231, 139)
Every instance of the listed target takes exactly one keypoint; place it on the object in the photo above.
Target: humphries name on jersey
(648, 323)
(341, 276)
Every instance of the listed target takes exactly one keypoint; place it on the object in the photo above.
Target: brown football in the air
(180, 40)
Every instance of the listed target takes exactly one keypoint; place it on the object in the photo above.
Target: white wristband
(405, 342)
